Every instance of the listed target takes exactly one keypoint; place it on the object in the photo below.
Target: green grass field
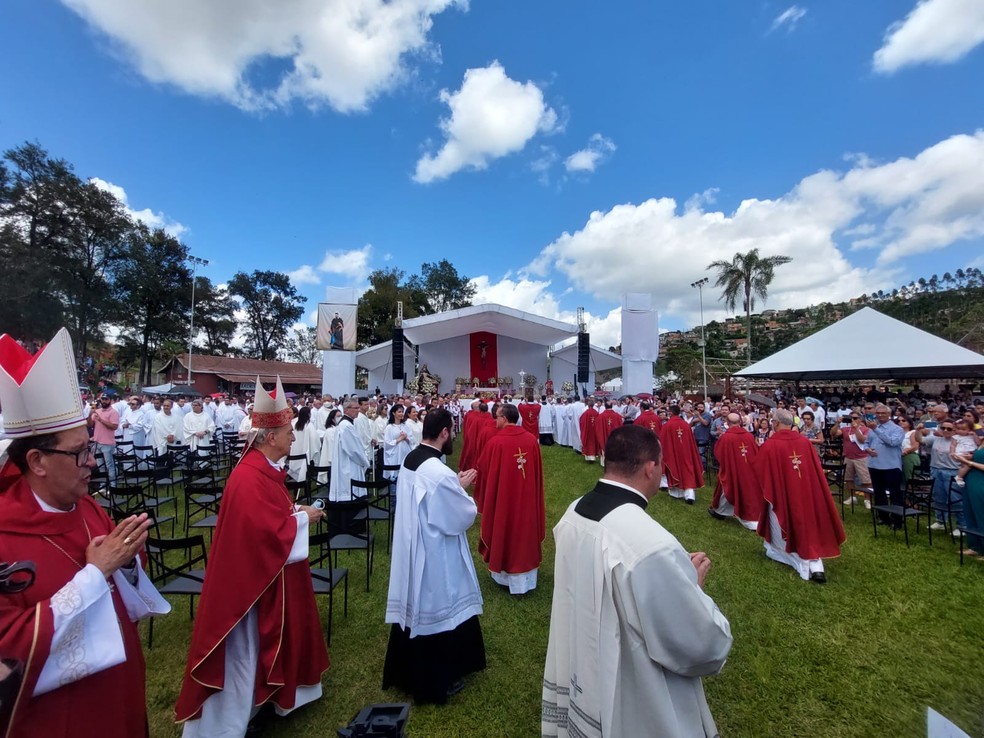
(895, 630)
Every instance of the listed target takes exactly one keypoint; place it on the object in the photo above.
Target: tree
(301, 346)
(214, 317)
(93, 244)
(35, 217)
(377, 306)
(443, 288)
(272, 306)
(746, 276)
(153, 287)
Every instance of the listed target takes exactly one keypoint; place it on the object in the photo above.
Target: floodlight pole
(195, 261)
(699, 284)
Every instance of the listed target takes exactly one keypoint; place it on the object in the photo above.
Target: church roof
(499, 319)
(245, 370)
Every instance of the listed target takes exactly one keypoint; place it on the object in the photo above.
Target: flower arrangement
(567, 386)
(492, 381)
(530, 380)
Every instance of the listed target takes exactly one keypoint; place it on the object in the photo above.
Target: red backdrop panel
(483, 356)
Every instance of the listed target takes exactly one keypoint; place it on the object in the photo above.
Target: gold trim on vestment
(27, 666)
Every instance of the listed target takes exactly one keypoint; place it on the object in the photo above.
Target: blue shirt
(886, 439)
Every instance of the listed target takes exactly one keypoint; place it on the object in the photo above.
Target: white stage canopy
(378, 361)
(522, 341)
(869, 345)
(563, 364)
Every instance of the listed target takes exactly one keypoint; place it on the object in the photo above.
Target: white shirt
(348, 462)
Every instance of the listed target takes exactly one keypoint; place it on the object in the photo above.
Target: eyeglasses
(81, 457)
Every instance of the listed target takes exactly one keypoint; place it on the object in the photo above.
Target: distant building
(211, 374)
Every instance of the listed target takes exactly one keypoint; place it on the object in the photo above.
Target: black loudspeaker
(397, 359)
(583, 357)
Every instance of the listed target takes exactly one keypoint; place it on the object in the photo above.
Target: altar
(489, 348)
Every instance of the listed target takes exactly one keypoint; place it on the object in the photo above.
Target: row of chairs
(177, 564)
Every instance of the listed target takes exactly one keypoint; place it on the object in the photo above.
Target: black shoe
(456, 687)
(691, 502)
(715, 514)
(818, 577)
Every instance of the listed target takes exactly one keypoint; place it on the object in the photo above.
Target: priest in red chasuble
(681, 460)
(648, 418)
(608, 420)
(510, 483)
(73, 628)
(799, 520)
(257, 636)
(589, 433)
(529, 413)
(475, 420)
(738, 492)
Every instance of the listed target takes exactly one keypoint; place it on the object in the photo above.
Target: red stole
(681, 461)
(589, 437)
(246, 567)
(607, 421)
(737, 480)
(529, 414)
(110, 703)
(513, 514)
(794, 484)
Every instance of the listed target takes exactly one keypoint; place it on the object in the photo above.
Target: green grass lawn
(895, 630)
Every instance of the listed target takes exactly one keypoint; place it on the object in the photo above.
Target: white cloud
(935, 32)
(906, 206)
(534, 296)
(146, 216)
(304, 274)
(491, 116)
(587, 159)
(341, 52)
(788, 18)
(353, 263)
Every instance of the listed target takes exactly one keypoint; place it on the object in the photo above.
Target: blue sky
(560, 153)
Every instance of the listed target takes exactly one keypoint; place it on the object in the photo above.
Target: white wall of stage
(451, 358)
(640, 342)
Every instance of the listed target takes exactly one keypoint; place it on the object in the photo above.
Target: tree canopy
(272, 306)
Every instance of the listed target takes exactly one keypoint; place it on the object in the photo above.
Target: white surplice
(348, 462)
(328, 442)
(631, 632)
(196, 423)
(395, 450)
(433, 587)
(166, 425)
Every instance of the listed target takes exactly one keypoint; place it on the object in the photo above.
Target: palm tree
(746, 276)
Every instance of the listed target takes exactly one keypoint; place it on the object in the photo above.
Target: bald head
(734, 418)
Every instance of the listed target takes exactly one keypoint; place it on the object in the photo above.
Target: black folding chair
(185, 578)
(324, 578)
(348, 524)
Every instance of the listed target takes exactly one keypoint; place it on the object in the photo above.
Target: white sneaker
(867, 504)
(937, 526)
(955, 533)
(958, 481)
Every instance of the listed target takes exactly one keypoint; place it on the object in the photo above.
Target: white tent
(869, 345)
(378, 361)
(563, 364)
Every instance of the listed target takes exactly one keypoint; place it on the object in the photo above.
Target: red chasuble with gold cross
(794, 484)
(737, 479)
(513, 514)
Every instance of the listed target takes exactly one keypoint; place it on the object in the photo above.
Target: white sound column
(640, 342)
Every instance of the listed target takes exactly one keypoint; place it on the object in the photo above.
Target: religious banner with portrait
(484, 363)
(337, 327)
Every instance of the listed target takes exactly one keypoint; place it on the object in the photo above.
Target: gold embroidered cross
(744, 451)
(796, 459)
(521, 461)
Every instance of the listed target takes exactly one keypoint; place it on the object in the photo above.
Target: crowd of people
(632, 632)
